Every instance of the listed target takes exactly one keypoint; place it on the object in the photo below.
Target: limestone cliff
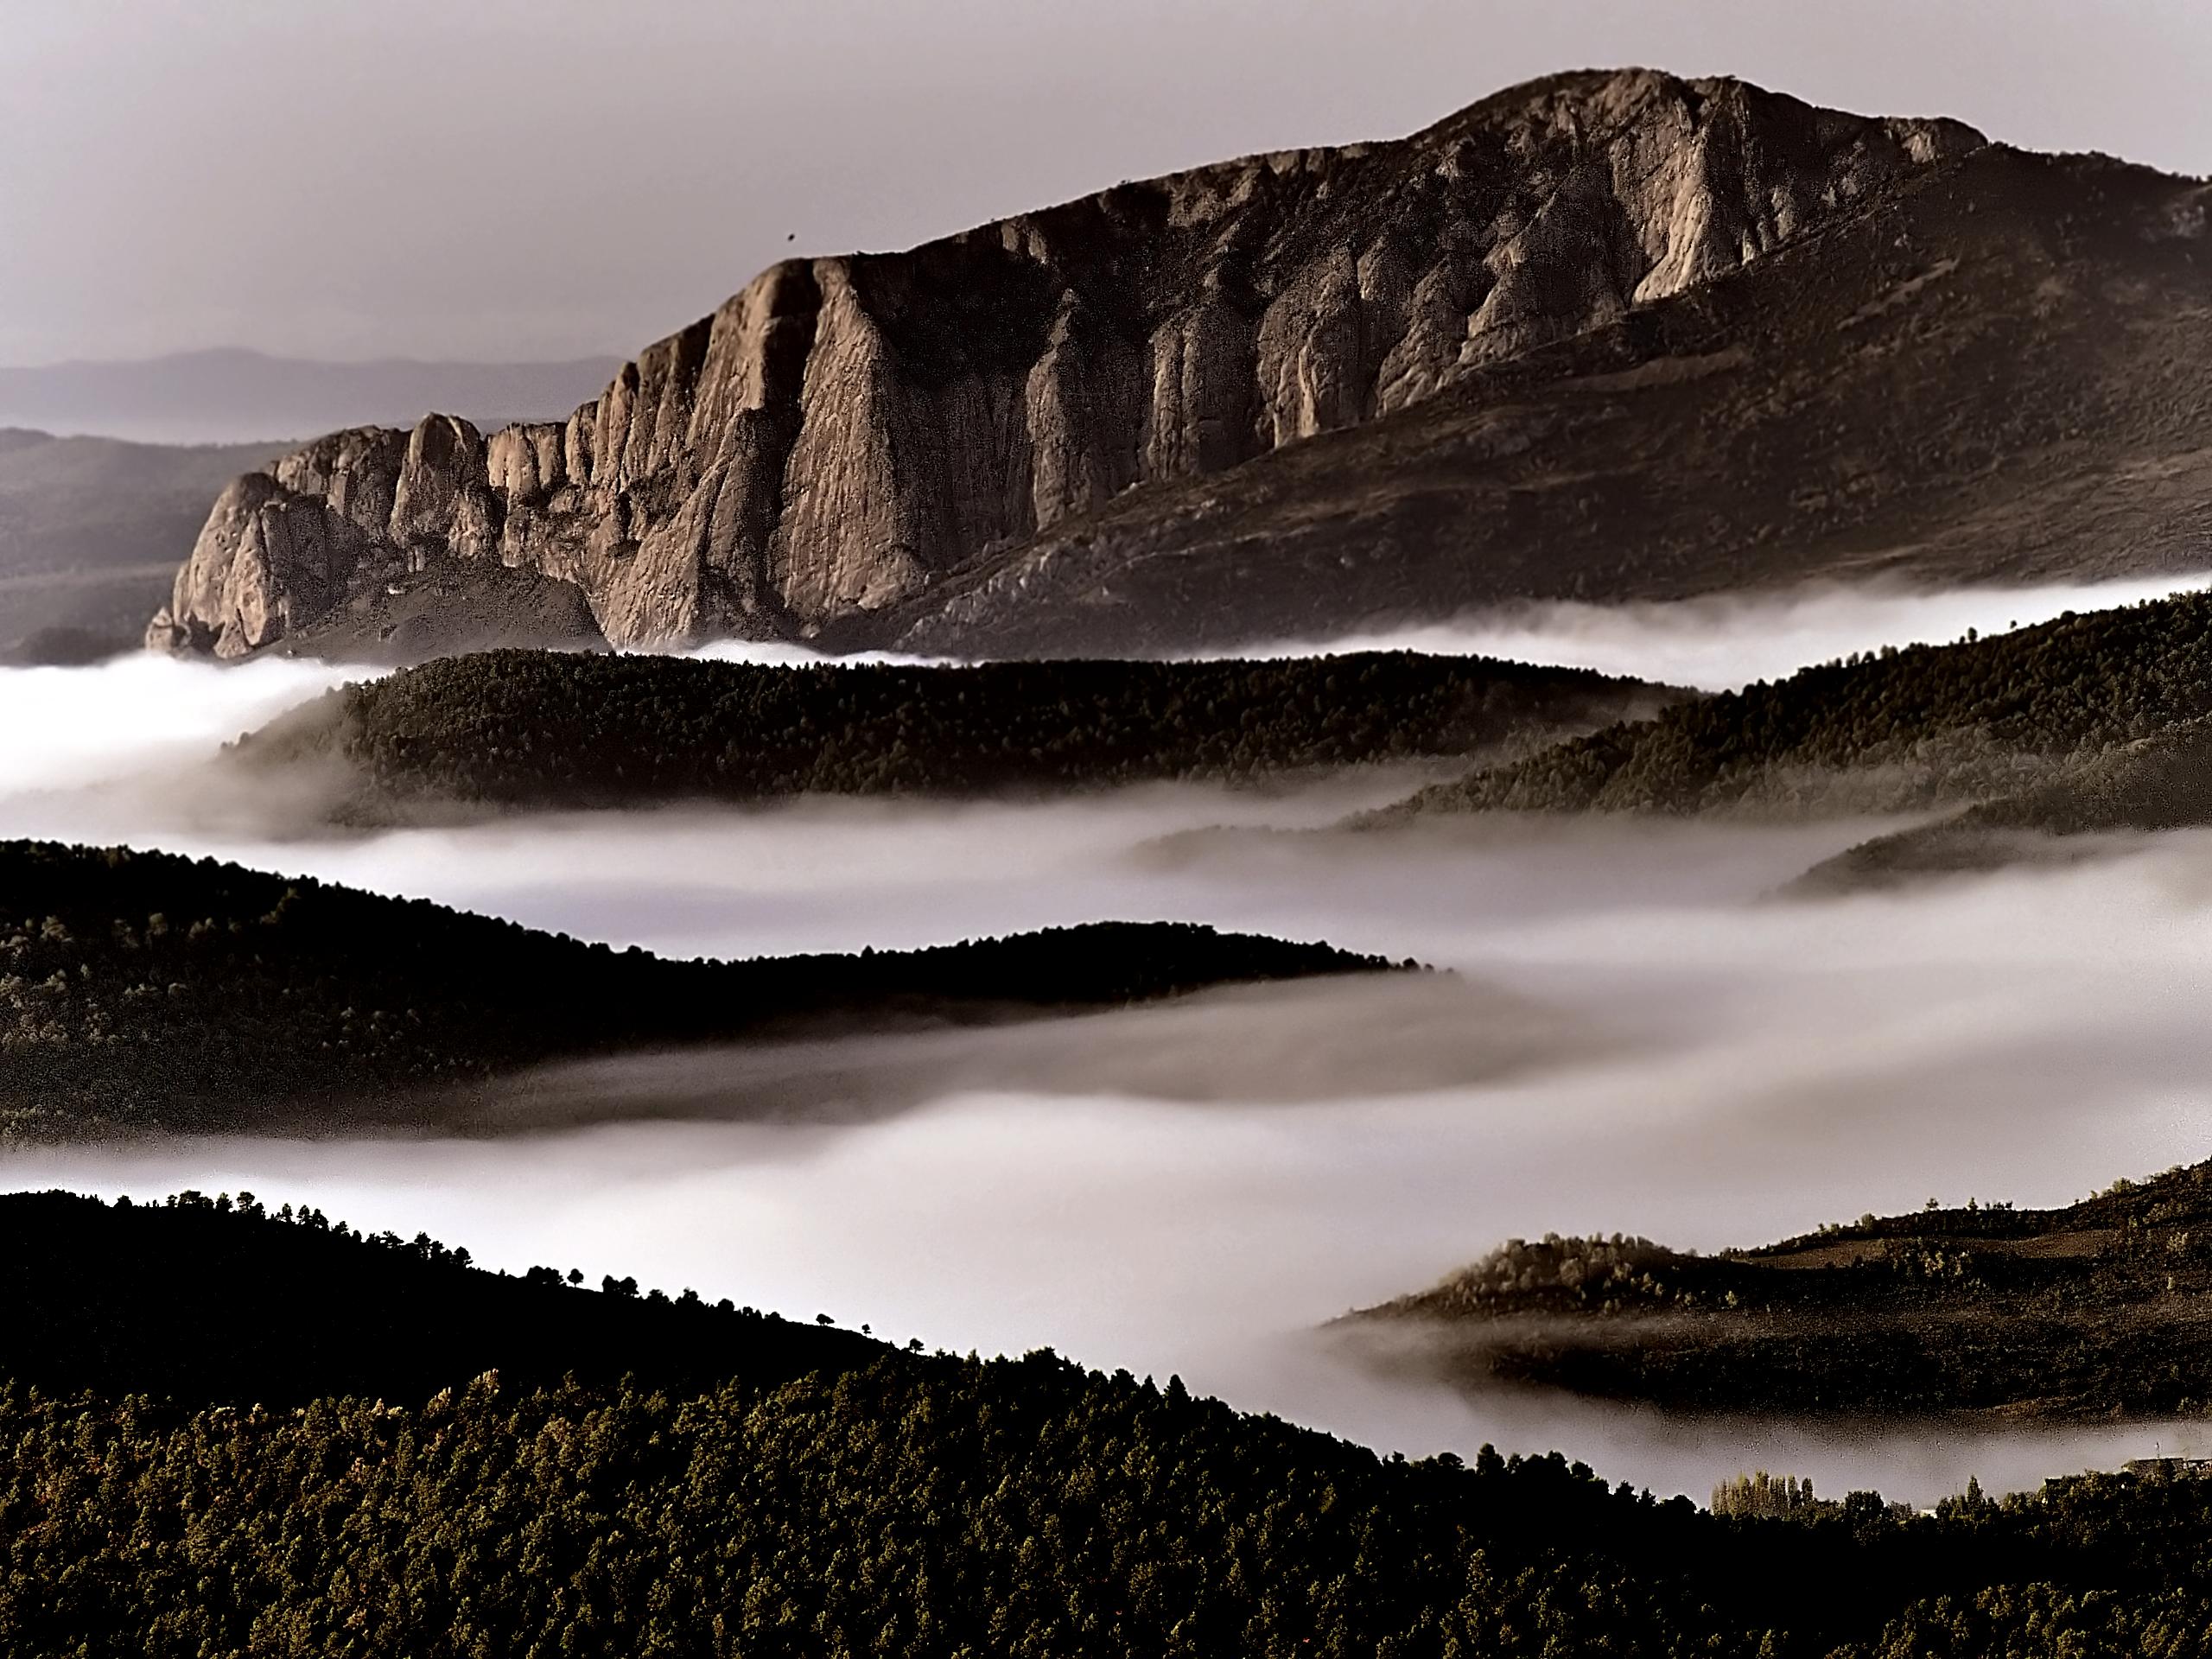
(846, 430)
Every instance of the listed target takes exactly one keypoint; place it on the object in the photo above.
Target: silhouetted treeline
(144, 989)
(540, 728)
(221, 1301)
(1921, 725)
(829, 1496)
(2100, 1310)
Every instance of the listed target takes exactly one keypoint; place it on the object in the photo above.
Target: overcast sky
(499, 179)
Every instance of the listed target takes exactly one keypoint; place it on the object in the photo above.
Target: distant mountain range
(89, 531)
(240, 397)
(1608, 335)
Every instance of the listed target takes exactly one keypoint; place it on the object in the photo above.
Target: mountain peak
(846, 432)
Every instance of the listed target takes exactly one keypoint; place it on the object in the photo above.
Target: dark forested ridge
(144, 990)
(2102, 1310)
(219, 1301)
(761, 1488)
(2162, 782)
(537, 728)
(1915, 727)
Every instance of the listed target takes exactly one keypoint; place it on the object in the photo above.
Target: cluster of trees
(798, 1491)
(1772, 1496)
(1558, 1275)
(143, 989)
(2098, 1310)
(538, 728)
(1903, 727)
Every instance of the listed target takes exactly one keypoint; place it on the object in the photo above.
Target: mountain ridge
(844, 432)
(143, 990)
(235, 394)
(89, 530)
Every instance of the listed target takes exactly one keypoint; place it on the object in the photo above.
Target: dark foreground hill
(218, 1302)
(2099, 1310)
(549, 729)
(1925, 726)
(822, 1495)
(143, 990)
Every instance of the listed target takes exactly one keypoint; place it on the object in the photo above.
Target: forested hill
(2157, 783)
(220, 1301)
(143, 990)
(548, 729)
(1906, 728)
(2098, 1311)
(823, 1495)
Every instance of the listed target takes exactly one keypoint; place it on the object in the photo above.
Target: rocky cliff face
(845, 431)
(1994, 372)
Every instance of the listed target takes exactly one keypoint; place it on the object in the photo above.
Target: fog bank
(1724, 643)
(1640, 1038)
(1159, 1191)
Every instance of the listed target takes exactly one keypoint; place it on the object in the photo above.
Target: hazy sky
(540, 178)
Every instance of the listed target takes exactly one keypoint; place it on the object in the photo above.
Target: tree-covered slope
(2154, 784)
(545, 729)
(143, 989)
(1915, 727)
(222, 1302)
(2100, 1310)
(823, 1495)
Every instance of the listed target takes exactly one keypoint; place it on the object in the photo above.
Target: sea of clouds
(1637, 1035)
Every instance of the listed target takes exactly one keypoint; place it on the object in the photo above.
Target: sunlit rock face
(845, 431)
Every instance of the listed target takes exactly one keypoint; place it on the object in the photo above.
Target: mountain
(1270, 392)
(1990, 368)
(89, 531)
(541, 729)
(231, 395)
(144, 990)
(2097, 1310)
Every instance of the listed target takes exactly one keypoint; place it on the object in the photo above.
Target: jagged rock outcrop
(1994, 370)
(844, 431)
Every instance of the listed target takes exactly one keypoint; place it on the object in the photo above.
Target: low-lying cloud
(1724, 642)
(1639, 1036)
